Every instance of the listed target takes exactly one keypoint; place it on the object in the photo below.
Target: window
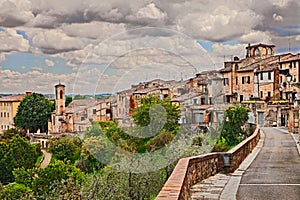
(269, 51)
(1, 114)
(94, 111)
(269, 75)
(280, 79)
(226, 81)
(256, 52)
(7, 115)
(202, 100)
(61, 94)
(243, 80)
(4, 114)
(228, 99)
(241, 98)
(236, 80)
(261, 76)
(269, 94)
(261, 94)
(195, 101)
(248, 79)
(236, 67)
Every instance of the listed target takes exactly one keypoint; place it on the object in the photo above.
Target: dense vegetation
(99, 165)
(233, 131)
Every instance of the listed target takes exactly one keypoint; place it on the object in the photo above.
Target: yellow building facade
(8, 110)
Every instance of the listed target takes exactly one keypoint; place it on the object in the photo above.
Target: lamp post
(288, 79)
(290, 111)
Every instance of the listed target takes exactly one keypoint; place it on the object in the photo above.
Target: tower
(59, 99)
(260, 50)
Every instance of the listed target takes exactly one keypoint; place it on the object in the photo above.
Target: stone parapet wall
(188, 172)
(242, 150)
(192, 170)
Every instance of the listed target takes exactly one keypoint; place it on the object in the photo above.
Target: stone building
(129, 99)
(78, 115)
(260, 77)
(8, 110)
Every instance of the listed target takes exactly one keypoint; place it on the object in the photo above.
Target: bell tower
(59, 99)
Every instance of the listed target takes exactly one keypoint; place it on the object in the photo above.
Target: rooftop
(13, 98)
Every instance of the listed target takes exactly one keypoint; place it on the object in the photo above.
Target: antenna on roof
(289, 42)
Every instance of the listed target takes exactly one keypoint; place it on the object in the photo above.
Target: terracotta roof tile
(13, 98)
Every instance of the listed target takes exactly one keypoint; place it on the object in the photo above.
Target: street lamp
(289, 79)
(280, 93)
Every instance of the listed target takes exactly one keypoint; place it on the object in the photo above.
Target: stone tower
(59, 99)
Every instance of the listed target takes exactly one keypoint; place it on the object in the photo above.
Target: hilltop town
(267, 83)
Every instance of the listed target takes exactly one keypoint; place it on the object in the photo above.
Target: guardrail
(192, 170)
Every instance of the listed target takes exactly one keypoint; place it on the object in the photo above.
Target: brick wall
(192, 170)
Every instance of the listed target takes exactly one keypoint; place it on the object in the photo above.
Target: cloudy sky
(97, 46)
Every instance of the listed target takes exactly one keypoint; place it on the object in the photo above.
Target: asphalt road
(275, 172)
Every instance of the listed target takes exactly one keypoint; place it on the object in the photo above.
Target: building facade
(8, 110)
(78, 115)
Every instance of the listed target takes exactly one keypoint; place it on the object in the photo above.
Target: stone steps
(210, 188)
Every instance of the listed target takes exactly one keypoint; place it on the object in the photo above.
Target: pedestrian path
(271, 171)
(275, 172)
(214, 186)
(46, 159)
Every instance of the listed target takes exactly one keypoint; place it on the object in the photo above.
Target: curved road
(47, 159)
(275, 172)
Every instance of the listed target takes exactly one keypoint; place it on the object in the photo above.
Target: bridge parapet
(192, 170)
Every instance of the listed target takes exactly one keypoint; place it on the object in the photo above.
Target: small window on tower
(61, 94)
(257, 52)
(269, 51)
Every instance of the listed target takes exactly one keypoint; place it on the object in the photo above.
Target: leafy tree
(24, 153)
(41, 181)
(162, 111)
(8, 134)
(68, 100)
(88, 163)
(233, 132)
(113, 184)
(17, 153)
(14, 191)
(33, 113)
(66, 148)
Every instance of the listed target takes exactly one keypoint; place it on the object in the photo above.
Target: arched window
(61, 109)
(256, 52)
(269, 51)
(236, 67)
(61, 94)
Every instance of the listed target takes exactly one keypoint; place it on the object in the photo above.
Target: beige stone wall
(8, 111)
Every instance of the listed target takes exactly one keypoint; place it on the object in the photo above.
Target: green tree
(233, 132)
(66, 148)
(14, 191)
(68, 100)
(15, 154)
(157, 113)
(41, 181)
(34, 112)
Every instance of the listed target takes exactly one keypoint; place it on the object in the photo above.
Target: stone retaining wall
(192, 170)
(242, 150)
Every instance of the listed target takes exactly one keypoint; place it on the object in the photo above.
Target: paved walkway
(271, 171)
(275, 173)
(46, 160)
